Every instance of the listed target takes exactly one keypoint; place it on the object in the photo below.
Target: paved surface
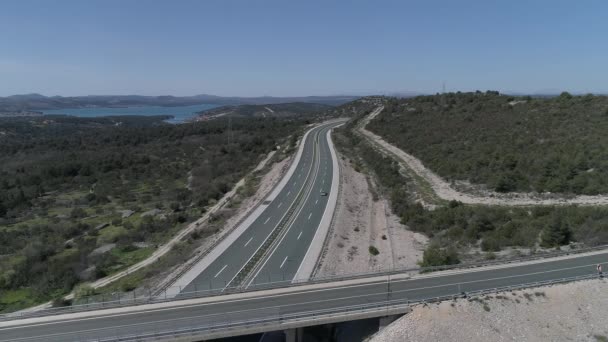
(286, 257)
(301, 194)
(266, 304)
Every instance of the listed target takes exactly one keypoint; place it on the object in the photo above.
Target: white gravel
(361, 222)
(569, 312)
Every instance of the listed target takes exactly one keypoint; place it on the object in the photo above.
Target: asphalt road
(297, 301)
(313, 169)
(283, 262)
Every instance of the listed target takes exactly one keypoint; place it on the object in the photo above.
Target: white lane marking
(283, 263)
(280, 204)
(299, 236)
(267, 220)
(248, 241)
(317, 201)
(218, 273)
(342, 286)
(309, 215)
(288, 192)
(299, 175)
(323, 182)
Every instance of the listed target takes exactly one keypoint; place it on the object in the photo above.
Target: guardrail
(206, 290)
(206, 252)
(222, 326)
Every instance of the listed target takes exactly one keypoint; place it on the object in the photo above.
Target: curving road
(295, 211)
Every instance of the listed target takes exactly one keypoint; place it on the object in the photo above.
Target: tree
(557, 233)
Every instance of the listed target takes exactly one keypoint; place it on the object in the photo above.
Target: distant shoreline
(177, 114)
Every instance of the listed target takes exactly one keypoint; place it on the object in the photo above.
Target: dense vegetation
(456, 229)
(270, 110)
(508, 143)
(81, 198)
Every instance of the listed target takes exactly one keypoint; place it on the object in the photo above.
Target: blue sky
(285, 48)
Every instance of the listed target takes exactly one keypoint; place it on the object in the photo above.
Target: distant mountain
(266, 110)
(37, 102)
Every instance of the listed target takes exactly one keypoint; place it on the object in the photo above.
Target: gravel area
(361, 222)
(569, 312)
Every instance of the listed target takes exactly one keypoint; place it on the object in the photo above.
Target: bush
(84, 290)
(490, 244)
(78, 213)
(436, 256)
(373, 250)
(61, 302)
(127, 286)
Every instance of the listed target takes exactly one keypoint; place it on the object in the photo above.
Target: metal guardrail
(248, 270)
(122, 300)
(276, 321)
(206, 252)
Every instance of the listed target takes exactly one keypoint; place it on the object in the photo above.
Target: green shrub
(435, 256)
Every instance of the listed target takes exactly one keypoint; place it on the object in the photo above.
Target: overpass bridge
(299, 305)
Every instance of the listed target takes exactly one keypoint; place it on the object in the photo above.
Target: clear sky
(305, 47)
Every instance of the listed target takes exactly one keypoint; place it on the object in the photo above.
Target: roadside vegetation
(83, 198)
(456, 230)
(507, 143)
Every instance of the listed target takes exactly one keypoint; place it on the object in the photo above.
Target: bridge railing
(282, 280)
(277, 317)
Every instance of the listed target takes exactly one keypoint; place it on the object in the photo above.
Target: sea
(180, 114)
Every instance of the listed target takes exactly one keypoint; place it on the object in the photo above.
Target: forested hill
(508, 143)
(81, 198)
(268, 110)
(37, 102)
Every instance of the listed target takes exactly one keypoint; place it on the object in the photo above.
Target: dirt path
(361, 222)
(445, 191)
(569, 312)
(266, 184)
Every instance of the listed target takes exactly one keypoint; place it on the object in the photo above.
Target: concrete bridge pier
(386, 320)
(294, 335)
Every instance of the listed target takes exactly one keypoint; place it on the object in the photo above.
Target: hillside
(266, 110)
(83, 198)
(459, 231)
(506, 143)
(36, 102)
(564, 312)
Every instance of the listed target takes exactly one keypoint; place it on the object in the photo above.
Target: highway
(260, 305)
(296, 210)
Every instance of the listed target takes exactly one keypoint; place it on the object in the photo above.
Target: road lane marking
(342, 286)
(280, 204)
(309, 215)
(218, 273)
(248, 241)
(323, 182)
(299, 236)
(288, 192)
(317, 201)
(283, 263)
(314, 171)
(267, 220)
